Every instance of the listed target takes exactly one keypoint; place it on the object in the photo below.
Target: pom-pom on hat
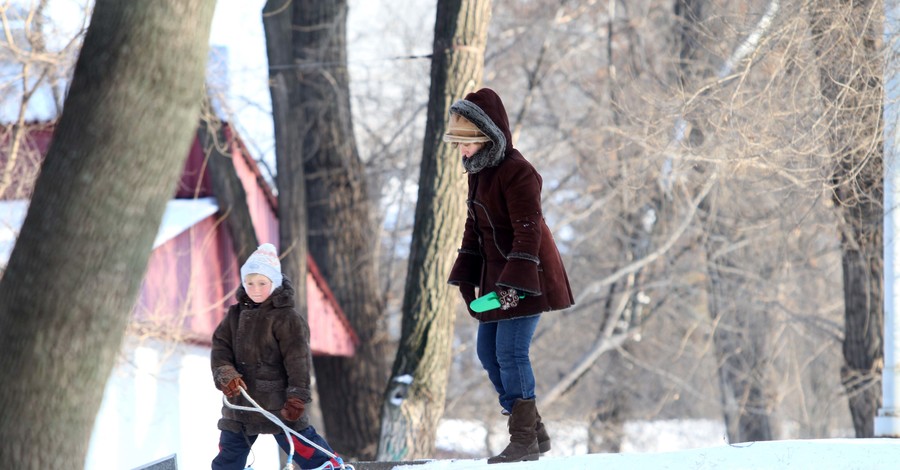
(264, 261)
(461, 131)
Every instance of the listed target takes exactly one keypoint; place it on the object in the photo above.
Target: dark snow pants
(234, 448)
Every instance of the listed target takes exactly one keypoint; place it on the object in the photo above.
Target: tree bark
(318, 161)
(414, 400)
(72, 279)
(846, 36)
(290, 178)
(227, 186)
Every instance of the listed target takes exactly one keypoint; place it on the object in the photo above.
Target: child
(262, 346)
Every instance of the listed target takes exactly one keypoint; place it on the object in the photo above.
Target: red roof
(191, 278)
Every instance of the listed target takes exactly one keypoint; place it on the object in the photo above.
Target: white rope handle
(287, 431)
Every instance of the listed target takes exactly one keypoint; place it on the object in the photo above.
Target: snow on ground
(823, 454)
(458, 437)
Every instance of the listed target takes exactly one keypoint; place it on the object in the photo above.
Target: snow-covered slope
(824, 454)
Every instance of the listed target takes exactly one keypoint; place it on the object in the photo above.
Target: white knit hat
(263, 261)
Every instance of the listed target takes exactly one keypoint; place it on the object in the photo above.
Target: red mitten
(292, 409)
(234, 387)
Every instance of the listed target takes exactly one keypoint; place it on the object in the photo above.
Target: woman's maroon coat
(506, 242)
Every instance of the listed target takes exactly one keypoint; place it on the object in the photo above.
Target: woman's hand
(509, 298)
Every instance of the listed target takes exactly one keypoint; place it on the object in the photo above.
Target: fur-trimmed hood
(485, 109)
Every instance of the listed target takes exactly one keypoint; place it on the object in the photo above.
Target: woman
(507, 248)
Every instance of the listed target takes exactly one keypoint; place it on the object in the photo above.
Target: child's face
(469, 149)
(258, 287)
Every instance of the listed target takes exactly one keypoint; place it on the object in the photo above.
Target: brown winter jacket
(268, 346)
(506, 242)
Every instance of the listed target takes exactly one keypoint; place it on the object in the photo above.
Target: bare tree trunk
(863, 346)
(414, 400)
(846, 36)
(290, 177)
(343, 245)
(227, 186)
(318, 161)
(72, 279)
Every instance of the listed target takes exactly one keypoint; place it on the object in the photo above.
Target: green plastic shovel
(487, 302)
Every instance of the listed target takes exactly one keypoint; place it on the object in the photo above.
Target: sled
(288, 432)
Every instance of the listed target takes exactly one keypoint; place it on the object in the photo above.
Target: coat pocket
(270, 394)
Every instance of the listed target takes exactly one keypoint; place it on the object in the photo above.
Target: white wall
(160, 400)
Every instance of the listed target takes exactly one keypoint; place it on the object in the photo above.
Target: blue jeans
(503, 351)
(234, 447)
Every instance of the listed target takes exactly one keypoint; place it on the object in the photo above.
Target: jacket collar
(282, 297)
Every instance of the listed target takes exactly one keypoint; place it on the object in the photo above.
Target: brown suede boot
(542, 437)
(523, 443)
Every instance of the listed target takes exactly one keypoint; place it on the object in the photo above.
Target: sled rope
(287, 431)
